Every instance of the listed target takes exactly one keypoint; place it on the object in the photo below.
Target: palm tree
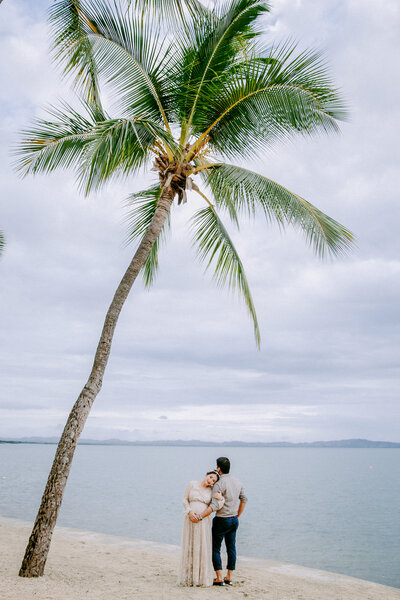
(187, 99)
(2, 242)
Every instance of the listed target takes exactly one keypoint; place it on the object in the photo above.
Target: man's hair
(224, 464)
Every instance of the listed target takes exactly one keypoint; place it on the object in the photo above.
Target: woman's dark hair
(224, 464)
(213, 473)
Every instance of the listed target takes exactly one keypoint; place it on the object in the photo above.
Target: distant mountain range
(353, 443)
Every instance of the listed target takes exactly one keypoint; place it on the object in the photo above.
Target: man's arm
(243, 500)
(214, 502)
(242, 506)
(207, 512)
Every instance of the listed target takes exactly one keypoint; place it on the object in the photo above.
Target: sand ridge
(93, 566)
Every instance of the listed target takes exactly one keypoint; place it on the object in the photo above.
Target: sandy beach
(95, 566)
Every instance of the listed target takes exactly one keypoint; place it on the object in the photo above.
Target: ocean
(327, 508)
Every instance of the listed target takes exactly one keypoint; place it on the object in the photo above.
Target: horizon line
(349, 442)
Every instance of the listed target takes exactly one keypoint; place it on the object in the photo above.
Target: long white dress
(196, 561)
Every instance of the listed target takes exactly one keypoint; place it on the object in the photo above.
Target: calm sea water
(332, 509)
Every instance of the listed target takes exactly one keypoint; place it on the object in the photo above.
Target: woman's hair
(213, 473)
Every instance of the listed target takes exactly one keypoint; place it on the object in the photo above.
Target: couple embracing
(223, 494)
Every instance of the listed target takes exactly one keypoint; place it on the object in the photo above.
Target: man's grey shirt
(233, 492)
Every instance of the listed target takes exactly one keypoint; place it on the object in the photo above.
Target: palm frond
(114, 43)
(59, 143)
(143, 205)
(211, 46)
(136, 86)
(119, 147)
(247, 191)
(258, 101)
(69, 27)
(97, 147)
(215, 246)
(173, 13)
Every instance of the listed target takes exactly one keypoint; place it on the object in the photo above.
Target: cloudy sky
(184, 363)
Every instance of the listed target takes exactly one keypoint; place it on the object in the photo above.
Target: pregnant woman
(196, 562)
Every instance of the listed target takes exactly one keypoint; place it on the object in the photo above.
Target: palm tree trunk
(39, 542)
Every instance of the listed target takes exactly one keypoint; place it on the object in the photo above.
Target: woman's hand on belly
(193, 517)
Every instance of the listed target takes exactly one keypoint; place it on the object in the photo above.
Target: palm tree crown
(187, 98)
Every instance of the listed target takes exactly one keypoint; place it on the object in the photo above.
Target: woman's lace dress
(196, 563)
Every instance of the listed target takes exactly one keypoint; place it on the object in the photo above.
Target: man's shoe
(228, 582)
(216, 582)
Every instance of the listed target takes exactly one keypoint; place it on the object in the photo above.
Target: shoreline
(99, 566)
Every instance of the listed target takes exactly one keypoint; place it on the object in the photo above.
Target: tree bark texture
(39, 542)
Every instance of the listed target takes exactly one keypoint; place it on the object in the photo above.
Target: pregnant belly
(197, 506)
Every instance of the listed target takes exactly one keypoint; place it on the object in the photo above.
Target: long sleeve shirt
(233, 492)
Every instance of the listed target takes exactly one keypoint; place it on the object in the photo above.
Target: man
(226, 520)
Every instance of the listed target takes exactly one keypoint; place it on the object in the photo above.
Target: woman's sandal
(215, 582)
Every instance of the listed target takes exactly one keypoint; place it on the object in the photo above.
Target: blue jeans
(224, 528)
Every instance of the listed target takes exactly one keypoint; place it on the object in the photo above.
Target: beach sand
(93, 566)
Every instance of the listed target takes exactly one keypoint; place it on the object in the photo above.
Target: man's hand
(218, 496)
(193, 517)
